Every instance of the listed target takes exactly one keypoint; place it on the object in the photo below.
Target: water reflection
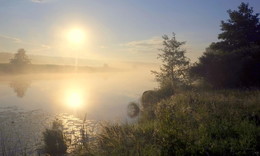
(20, 86)
(21, 131)
(68, 97)
(74, 99)
(78, 130)
(73, 96)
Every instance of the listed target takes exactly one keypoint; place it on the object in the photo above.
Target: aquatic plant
(54, 140)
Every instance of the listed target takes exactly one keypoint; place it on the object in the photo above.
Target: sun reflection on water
(75, 98)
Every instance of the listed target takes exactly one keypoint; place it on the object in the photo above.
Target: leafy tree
(175, 63)
(234, 60)
(20, 58)
(241, 30)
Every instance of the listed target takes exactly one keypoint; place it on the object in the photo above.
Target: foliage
(128, 140)
(20, 58)
(175, 63)
(241, 30)
(223, 122)
(124, 139)
(210, 123)
(54, 141)
(238, 68)
(234, 61)
(150, 98)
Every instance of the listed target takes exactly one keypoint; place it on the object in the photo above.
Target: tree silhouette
(234, 61)
(20, 87)
(20, 58)
(241, 30)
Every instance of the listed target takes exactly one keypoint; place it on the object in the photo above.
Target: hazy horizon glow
(115, 30)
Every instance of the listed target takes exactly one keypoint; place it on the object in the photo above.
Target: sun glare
(76, 36)
(74, 99)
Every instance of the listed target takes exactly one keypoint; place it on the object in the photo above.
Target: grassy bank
(223, 122)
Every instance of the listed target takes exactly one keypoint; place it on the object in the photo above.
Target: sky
(115, 29)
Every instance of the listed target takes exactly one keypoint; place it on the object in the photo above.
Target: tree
(233, 61)
(241, 30)
(20, 58)
(175, 63)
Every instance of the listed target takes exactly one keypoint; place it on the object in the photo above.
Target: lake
(29, 103)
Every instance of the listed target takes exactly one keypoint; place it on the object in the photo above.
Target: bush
(54, 142)
(213, 123)
(150, 98)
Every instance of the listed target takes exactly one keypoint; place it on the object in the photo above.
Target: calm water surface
(29, 103)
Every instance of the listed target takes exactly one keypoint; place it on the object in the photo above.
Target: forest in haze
(20, 63)
(209, 107)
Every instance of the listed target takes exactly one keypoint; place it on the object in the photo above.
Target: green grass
(215, 123)
(224, 122)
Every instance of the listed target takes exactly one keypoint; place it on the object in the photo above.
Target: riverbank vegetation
(211, 107)
(222, 122)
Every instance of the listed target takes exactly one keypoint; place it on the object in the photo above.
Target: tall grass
(213, 123)
(224, 122)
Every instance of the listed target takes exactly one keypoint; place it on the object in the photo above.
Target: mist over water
(103, 96)
(32, 101)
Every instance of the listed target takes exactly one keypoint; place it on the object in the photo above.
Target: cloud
(45, 46)
(13, 42)
(42, 47)
(13, 39)
(144, 46)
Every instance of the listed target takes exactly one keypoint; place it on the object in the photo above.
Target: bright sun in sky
(76, 36)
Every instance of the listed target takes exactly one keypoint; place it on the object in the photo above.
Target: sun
(76, 36)
(74, 99)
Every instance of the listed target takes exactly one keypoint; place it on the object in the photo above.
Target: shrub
(150, 98)
(128, 140)
(54, 142)
(214, 123)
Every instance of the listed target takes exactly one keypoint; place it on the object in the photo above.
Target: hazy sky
(116, 29)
